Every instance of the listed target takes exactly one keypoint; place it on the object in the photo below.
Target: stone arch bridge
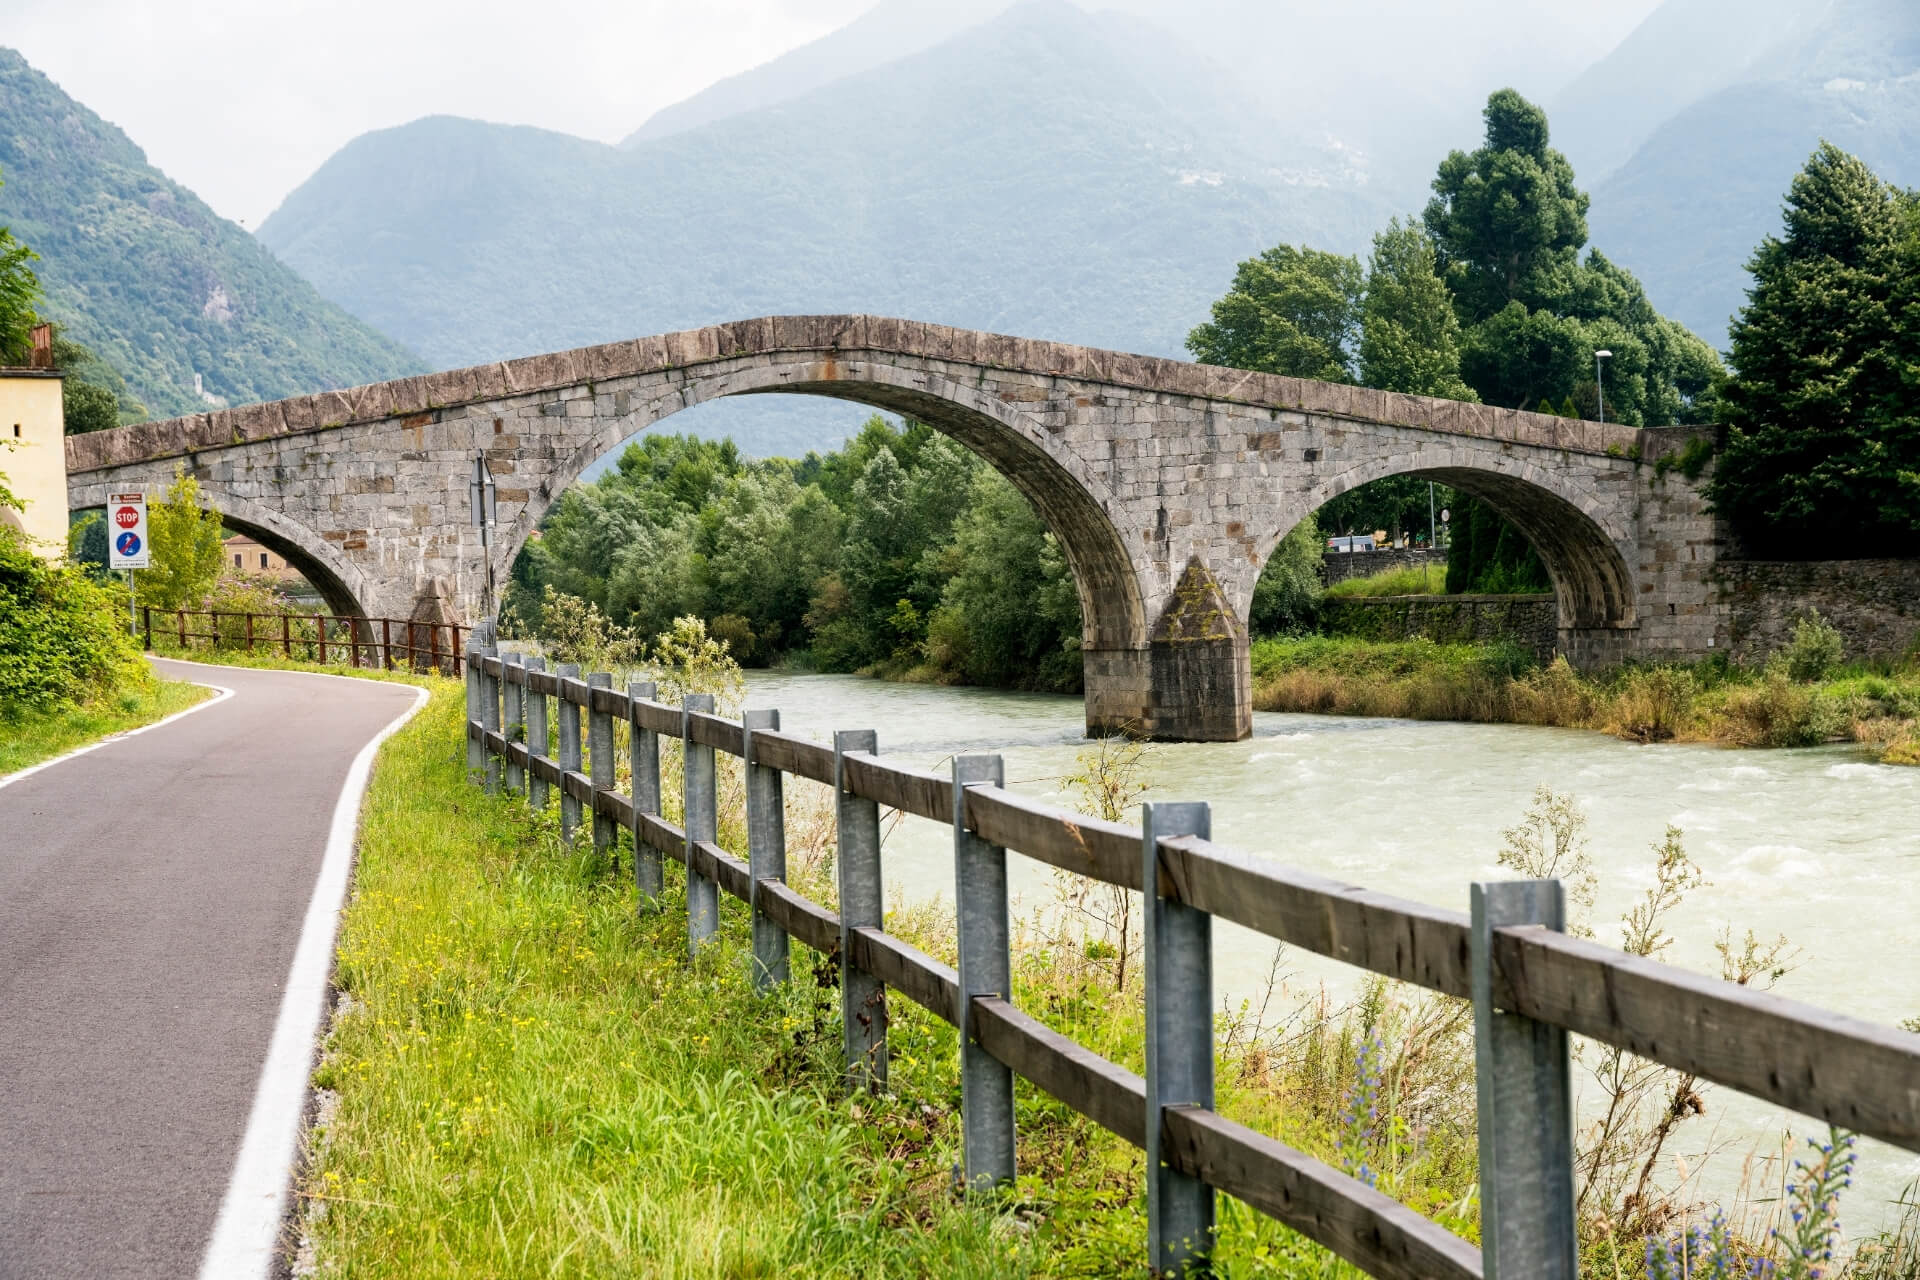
(1168, 484)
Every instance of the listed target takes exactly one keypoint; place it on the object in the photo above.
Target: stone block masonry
(1875, 604)
(1148, 471)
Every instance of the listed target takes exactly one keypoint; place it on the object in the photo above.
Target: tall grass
(1410, 581)
(1712, 701)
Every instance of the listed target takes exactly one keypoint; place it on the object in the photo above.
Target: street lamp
(480, 494)
(1600, 381)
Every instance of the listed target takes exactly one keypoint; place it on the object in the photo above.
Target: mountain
(1083, 177)
(1687, 210)
(1684, 51)
(137, 268)
(891, 30)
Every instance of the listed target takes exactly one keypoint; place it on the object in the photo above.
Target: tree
(1409, 335)
(94, 395)
(1821, 424)
(1289, 311)
(1288, 589)
(19, 295)
(1508, 220)
(186, 548)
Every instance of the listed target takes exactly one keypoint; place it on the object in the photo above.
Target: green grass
(1410, 581)
(533, 1080)
(30, 739)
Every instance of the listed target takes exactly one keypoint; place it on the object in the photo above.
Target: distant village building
(33, 452)
(245, 556)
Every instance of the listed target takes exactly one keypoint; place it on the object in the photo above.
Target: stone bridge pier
(1167, 484)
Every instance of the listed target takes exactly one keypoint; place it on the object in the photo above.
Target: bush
(1780, 713)
(1815, 650)
(1652, 703)
(64, 638)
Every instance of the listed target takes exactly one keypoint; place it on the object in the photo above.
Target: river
(1819, 844)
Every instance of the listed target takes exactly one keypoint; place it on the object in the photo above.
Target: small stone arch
(1587, 551)
(1072, 502)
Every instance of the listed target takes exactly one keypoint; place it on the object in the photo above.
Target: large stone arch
(1069, 498)
(340, 582)
(1588, 549)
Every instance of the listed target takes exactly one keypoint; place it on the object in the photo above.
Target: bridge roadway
(152, 894)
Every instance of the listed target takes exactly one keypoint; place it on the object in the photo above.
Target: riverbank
(1711, 701)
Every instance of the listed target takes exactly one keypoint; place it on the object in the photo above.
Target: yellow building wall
(33, 457)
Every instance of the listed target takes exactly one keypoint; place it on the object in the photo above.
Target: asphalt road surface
(151, 896)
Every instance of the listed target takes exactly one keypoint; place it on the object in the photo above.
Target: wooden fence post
(980, 897)
(643, 745)
(539, 733)
(513, 726)
(1525, 1100)
(490, 715)
(863, 998)
(766, 852)
(476, 750)
(1179, 972)
(698, 790)
(146, 623)
(600, 761)
(569, 713)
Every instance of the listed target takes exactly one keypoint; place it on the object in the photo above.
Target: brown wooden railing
(325, 638)
(1529, 982)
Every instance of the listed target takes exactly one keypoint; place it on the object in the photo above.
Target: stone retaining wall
(1338, 566)
(1874, 603)
(1531, 621)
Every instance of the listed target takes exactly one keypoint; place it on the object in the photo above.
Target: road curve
(152, 894)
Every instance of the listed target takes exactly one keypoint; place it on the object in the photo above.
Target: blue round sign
(127, 544)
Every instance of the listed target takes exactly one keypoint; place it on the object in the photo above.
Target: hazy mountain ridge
(1046, 173)
(1691, 205)
(138, 268)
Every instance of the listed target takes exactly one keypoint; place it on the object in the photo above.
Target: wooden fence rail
(389, 643)
(1529, 982)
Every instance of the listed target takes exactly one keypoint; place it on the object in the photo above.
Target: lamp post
(480, 493)
(1600, 381)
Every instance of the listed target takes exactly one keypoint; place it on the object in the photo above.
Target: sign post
(127, 542)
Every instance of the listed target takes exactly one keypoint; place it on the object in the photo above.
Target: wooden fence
(391, 643)
(1530, 983)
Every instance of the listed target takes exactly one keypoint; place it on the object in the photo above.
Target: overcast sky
(241, 100)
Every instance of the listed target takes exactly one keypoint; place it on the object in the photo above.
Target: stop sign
(126, 517)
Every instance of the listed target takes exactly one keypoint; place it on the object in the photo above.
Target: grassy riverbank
(1711, 701)
(531, 1079)
(36, 736)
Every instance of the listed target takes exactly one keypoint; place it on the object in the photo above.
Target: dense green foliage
(186, 553)
(1509, 224)
(901, 552)
(63, 637)
(1822, 450)
(139, 270)
(1488, 555)
(19, 292)
(1289, 311)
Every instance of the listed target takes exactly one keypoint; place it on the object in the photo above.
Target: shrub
(1652, 703)
(1779, 713)
(64, 638)
(735, 631)
(1815, 650)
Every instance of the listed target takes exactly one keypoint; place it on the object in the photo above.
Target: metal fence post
(643, 746)
(980, 897)
(539, 735)
(1525, 1100)
(863, 998)
(1179, 970)
(569, 715)
(490, 718)
(600, 761)
(766, 851)
(476, 750)
(514, 723)
(703, 822)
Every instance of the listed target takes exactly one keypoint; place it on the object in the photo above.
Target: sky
(241, 100)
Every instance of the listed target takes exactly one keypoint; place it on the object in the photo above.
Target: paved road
(151, 896)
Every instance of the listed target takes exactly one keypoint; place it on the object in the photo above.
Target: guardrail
(1529, 982)
(318, 637)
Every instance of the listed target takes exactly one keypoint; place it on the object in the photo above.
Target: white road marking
(222, 692)
(247, 1231)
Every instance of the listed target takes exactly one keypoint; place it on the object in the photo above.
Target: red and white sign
(127, 531)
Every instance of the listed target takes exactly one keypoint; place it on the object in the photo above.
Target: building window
(263, 559)
(16, 431)
(236, 559)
